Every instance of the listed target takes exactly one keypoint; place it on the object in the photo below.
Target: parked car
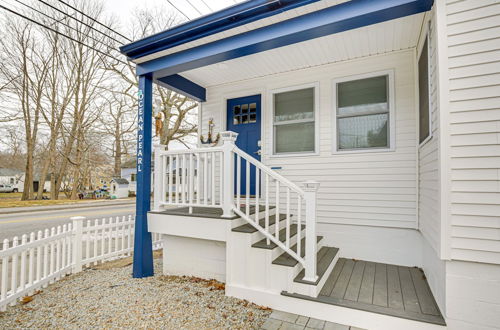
(6, 188)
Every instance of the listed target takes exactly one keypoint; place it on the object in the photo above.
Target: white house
(10, 176)
(366, 186)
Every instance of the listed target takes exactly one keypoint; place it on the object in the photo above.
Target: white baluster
(288, 217)
(3, 282)
(205, 179)
(110, 238)
(87, 243)
(103, 238)
(299, 225)
(238, 181)
(212, 181)
(122, 236)
(247, 189)
(157, 179)
(221, 176)
(257, 194)
(177, 179)
(22, 277)
(58, 251)
(46, 248)
(170, 178)
(198, 178)
(191, 179)
(39, 257)
(52, 263)
(13, 275)
(163, 179)
(277, 215)
(267, 207)
(31, 263)
(96, 240)
(183, 178)
(63, 250)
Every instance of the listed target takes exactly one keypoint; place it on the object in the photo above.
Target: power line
(59, 21)
(82, 22)
(180, 11)
(95, 20)
(199, 12)
(61, 34)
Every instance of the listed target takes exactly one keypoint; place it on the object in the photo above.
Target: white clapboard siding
(429, 212)
(474, 69)
(373, 189)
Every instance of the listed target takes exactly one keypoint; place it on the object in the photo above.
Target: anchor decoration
(209, 139)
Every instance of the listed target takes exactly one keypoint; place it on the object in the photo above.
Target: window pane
(244, 108)
(294, 138)
(423, 93)
(294, 105)
(363, 132)
(362, 96)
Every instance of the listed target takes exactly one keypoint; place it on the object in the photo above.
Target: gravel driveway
(107, 297)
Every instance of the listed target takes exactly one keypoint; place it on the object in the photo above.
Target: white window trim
(392, 113)
(314, 85)
(428, 138)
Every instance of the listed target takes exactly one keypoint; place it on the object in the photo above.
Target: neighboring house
(375, 124)
(10, 176)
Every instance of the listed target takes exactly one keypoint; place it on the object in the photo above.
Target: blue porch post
(143, 248)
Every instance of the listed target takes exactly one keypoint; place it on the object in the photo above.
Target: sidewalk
(76, 205)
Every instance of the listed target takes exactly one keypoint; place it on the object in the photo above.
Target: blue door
(243, 117)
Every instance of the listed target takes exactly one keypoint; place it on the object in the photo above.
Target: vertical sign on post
(143, 249)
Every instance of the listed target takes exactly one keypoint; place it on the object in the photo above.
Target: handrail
(268, 171)
(185, 152)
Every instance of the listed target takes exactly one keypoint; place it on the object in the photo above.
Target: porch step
(248, 228)
(262, 244)
(287, 260)
(325, 257)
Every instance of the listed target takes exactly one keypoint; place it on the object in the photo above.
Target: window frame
(392, 116)
(429, 137)
(315, 86)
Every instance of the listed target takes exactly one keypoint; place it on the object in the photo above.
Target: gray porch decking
(379, 288)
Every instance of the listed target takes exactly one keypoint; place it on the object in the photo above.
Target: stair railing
(206, 177)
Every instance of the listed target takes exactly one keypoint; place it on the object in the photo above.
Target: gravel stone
(112, 299)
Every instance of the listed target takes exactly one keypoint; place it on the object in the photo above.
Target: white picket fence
(43, 258)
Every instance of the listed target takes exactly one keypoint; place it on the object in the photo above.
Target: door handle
(258, 152)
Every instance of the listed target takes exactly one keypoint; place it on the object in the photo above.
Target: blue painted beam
(239, 14)
(183, 86)
(143, 247)
(347, 16)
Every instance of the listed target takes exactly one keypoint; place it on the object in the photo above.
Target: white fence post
(77, 243)
(310, 189)
(228, 139)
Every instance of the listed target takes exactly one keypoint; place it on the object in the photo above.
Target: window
(424, 122)
(294, 121)
(363, 111)
(245, 114)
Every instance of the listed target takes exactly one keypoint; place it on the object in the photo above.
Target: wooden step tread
(325, 257)
(262, 244)
(287, 260)
(248, 228)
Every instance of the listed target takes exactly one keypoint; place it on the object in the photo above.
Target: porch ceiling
(389, 36)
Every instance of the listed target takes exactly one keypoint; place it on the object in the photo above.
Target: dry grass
(14, 200)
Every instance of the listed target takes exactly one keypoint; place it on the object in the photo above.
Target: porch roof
(233, 34)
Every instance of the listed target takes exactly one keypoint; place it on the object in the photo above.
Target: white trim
(444, 129)
(392, 112)
(316, 110)
(429, 109)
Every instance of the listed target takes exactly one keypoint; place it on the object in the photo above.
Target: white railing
(206, 177)
(43, 258)
(188, 178)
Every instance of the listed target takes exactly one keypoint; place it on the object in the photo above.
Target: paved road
(23, 223)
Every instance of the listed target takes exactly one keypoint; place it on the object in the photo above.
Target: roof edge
(222, 20)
